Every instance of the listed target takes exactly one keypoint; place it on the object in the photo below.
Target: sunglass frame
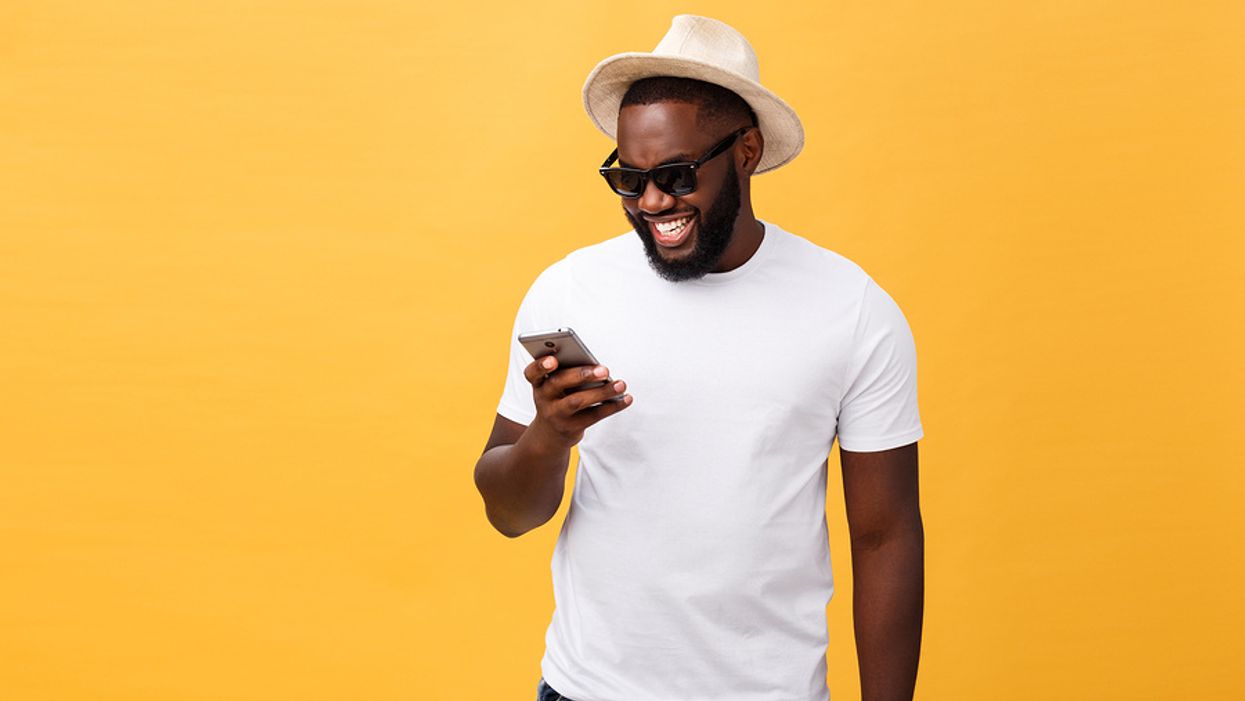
(690, 166)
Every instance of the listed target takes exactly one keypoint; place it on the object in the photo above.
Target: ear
(748, 155)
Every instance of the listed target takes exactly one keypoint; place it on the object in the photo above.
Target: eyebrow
(680, 158)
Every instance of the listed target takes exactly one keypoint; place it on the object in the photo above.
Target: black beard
(713, 234)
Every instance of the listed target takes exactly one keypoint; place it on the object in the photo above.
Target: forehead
(662, 132)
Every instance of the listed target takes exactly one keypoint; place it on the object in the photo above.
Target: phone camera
(550, 344)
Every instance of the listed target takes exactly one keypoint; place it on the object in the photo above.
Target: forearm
(522, 484)
(888, 606)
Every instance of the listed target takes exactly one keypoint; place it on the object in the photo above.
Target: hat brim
(608, 82)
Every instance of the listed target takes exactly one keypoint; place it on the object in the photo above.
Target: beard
(714, 231)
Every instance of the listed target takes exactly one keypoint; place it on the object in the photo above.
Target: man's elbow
(910, 532)
(509, 527)
(506, 530)
(499, 523)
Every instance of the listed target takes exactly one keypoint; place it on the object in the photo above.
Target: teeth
(672, 226)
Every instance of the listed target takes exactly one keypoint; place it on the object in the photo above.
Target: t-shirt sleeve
(879, 408)
(516, 398)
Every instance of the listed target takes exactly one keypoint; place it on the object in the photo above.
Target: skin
(715, 232)
(650, 135)
(522, 472)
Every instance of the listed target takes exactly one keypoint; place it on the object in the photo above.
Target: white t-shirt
(694, 564)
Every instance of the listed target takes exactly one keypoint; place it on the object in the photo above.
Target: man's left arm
(888, 568)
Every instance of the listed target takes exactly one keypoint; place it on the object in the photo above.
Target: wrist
(543, 441)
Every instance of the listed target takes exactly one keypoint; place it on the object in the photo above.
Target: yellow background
(259, 263)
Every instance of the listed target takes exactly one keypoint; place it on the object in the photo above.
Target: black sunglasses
(677, 179)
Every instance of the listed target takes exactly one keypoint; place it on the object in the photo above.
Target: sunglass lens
(625, 183)
(675, 180)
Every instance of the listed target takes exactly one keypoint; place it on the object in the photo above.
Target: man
(693, 564)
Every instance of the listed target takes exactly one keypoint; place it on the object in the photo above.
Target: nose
(653, 200)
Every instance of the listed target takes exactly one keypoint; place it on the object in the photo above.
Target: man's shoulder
(623, 248)
(612, 255)
(818, 261)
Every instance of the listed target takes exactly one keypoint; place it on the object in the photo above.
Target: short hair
(716, 104)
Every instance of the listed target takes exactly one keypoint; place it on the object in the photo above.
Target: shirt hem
(884, 443)
(515, 415)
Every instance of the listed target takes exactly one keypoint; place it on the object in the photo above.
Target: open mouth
(671, 234)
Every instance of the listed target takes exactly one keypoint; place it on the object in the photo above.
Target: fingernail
(599, 371)
(627, 399)
(547, 363)
(618, 386)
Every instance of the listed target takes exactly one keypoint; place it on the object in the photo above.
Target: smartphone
(567, 347)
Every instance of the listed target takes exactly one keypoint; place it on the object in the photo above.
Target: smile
(670, 234)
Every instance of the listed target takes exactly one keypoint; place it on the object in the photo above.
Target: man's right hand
(562, 413)
(522, 473)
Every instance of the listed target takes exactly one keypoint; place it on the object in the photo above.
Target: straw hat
(704, 49)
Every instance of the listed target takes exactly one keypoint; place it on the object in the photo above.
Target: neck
(745, 240)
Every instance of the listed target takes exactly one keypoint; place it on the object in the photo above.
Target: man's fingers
(536, 371)
(568, 408)
(568, 378)
(582, 399)
(571, 411)
(602, 410)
